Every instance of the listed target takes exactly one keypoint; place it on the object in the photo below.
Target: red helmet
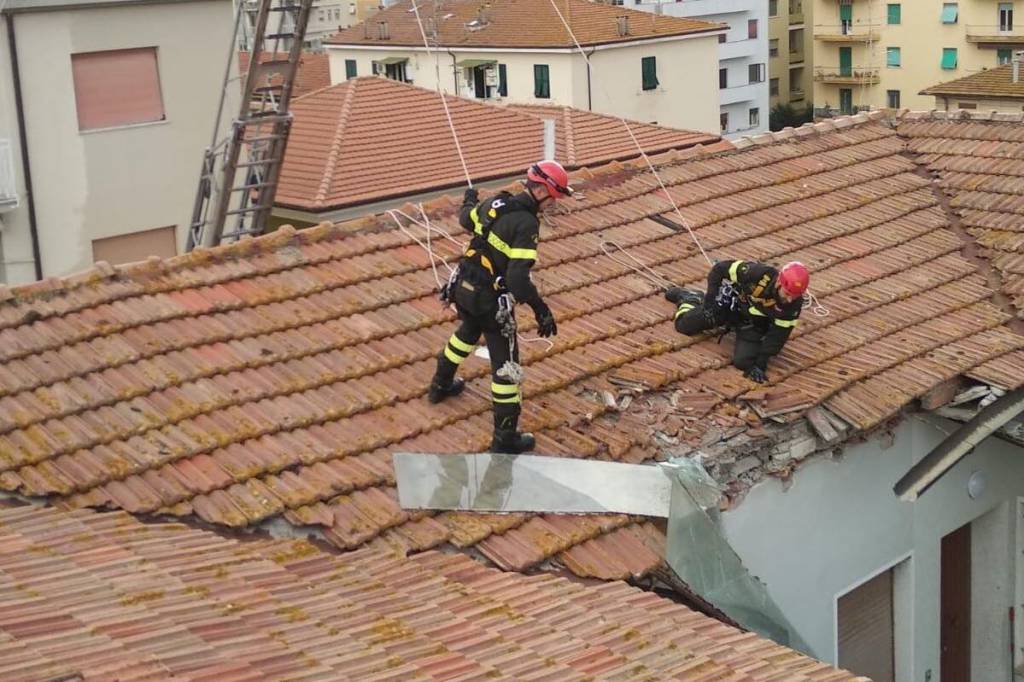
(551, 175)
(794, 278)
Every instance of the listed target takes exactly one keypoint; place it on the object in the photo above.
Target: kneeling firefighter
(493, 275)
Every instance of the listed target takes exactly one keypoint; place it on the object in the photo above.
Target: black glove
(545, 320)
(471, 196)
(756, 374)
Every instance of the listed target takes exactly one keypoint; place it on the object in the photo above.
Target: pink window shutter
(117, 88)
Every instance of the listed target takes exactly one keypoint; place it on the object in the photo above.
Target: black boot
(679, 295)
(439, 391)
(512, 441)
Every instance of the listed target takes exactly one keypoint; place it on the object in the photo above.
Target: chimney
(383, 33)
(1015, 69)
(431, 27)
(549, 138)
(622, 25)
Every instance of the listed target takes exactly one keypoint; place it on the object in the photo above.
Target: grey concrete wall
(840, 523)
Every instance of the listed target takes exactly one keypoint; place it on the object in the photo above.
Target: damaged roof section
(274, 378)
(103, 596)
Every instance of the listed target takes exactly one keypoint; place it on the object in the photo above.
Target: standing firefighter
(493, 275)
(761, 303)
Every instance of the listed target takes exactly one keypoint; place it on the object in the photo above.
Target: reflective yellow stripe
(505, 401)
(755, 312)
(734, 269)
(478, 226)
(504, 389)
(683, 308)
(786, 323)
(453, 356)
(512, 254)
(459, 344)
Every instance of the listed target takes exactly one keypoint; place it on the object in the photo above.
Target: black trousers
(694, 320)
(476, 315)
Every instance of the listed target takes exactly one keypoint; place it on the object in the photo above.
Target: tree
(786, 115)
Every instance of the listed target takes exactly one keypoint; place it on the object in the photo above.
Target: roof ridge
(335, 153)
(807, 129)
(570, 136)
(960, 115)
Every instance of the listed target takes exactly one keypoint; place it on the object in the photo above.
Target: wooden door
(955, 606)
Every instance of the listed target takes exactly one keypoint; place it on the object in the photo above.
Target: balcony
(796, 56)
(733, 49)
(998, 35)
(796, 14)
(854, 75)
(846, 33)
(748, 92)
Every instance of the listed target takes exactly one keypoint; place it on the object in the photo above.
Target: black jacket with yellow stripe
(506, 232)
(755, 286)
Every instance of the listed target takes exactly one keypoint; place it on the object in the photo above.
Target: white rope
(812, 303)
(638, 266)
(440, 92)
(683, 221)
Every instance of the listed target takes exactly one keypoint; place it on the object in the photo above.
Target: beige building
(998, 89)
(790, 52)
(106, 107)
(870, 54)
(520, 52)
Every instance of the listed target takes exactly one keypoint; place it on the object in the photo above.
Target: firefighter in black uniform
(761, 303)
(494, 274)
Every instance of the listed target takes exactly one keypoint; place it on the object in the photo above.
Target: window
(541, 81)
(502, 80)
(350, 69)
(846, 62)
(136, 246)
(755, 117)
(894, 18)
(773, 47)
(649, 73)
(950, 12)
(967, 105)
(1004, 55)
(773, 87)
(117, 88)
(846, 19)
(723, 121)
(721, 38)
(949, 57)
(892, 99)
(796, 80)
(755, 73)
(395, 71)
(845, 100)
(892, 57)
(796, 40)
(866, 628)
(1006, 16)
(723, 79)
(752, 28)
(773, 8)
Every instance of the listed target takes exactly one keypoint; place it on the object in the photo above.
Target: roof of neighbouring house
(371, 138)
(516, 24)
(275, 377)
(103, 596)
(994, 83)
(314, 70)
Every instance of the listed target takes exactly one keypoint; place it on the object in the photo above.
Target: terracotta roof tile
(989, 83)
(314, 70)
(348, 146)
(516, 24)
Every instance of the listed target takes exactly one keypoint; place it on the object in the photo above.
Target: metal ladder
(241, 168)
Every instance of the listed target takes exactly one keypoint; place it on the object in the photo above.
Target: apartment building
(1000, 89)
(326, 18)
(870, 54)
(519, 51)
(790, 49)
(106, 107)
(743, 55)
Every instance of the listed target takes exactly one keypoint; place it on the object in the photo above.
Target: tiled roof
(997, 82)
(980, 165)
(314, 70)
(276, 376)
(516, 24)
(373, 138)
(103, 596)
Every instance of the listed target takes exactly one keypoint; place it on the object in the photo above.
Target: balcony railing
(846, 33)
(995, 34)
(796, 16)
(841, 75)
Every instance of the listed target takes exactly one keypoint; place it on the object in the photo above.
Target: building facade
(106, 109)
(790, 52)
(870, 54)
(743, 69)
(1000, 89)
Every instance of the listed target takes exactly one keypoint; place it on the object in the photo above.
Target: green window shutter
(950, 12)
(846, 12)
(541, 81)
(846, 61)
(502, 80)
(892, 56)
(350, 69)
(894, 15)
(1004, 55)
(949, 57)
(649, 71)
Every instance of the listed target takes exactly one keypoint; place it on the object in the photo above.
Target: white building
(651, 69)
(106, 107)
(742, 58)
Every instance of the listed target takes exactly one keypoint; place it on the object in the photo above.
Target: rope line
(638, 266)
